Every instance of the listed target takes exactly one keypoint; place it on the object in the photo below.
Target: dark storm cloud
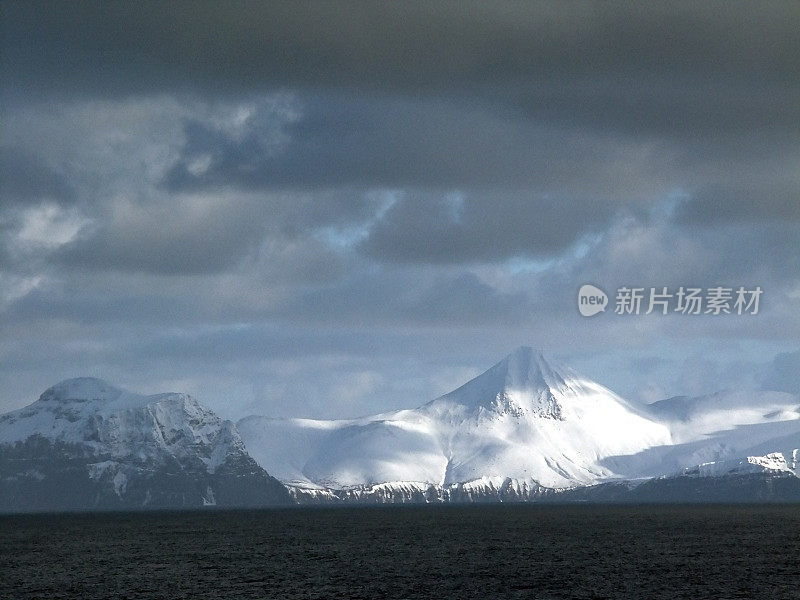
(465, 229)
(398, 94)
(291, 194)
(338, 140)
(169, 239)
(112, 47)
(766, 201)
(361, 298)
(26, 178)
(89, 307)
(196, 235)
(676, 106)
(676, 70)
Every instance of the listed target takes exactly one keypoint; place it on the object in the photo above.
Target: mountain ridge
(526, 429)
(482, 431)
(85, 444)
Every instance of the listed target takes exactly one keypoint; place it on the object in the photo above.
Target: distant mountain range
(525, 430)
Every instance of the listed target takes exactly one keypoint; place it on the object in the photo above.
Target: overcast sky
(331, 210)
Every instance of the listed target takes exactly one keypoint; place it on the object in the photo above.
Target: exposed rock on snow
(86, 444)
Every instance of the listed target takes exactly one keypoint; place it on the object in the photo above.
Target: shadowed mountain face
(88, 445)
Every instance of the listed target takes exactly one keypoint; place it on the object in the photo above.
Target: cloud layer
(333, 209)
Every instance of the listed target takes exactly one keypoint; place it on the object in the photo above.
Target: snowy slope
(115, 448)
(523, 430)
(726, 432)
(523, 426)
(525, 419)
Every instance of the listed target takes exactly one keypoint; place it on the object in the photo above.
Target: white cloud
(49, 226)
(13, 287)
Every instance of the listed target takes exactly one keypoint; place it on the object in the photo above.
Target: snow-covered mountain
(520, 430)
(526, 429)
(723, 433)
(86, 444)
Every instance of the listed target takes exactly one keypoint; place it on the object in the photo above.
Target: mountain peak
(524, 378)
(81, 389)
(528, 368)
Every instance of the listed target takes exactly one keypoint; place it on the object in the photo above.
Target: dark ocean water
(453, 552)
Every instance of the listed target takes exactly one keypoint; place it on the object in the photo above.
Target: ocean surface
(450, 552)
